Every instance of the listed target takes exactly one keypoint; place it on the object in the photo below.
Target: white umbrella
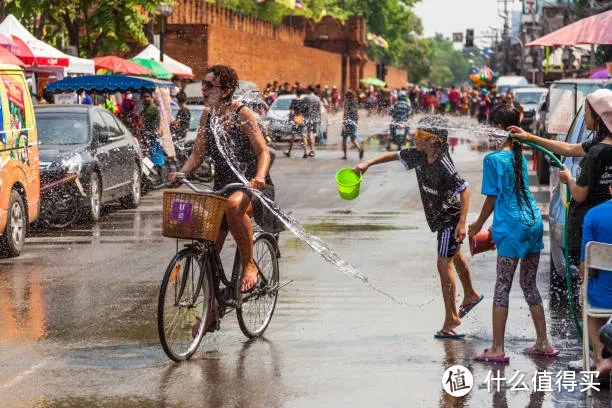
(172, 65)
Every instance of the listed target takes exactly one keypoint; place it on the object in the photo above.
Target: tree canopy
(105, 27)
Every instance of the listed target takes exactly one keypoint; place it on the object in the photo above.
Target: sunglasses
(209, 85)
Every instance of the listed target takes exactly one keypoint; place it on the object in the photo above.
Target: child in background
(445, 200)
(517, 233)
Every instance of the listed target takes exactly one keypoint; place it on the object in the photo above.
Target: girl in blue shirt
(517, 233)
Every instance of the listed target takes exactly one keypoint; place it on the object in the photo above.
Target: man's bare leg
(447, 281)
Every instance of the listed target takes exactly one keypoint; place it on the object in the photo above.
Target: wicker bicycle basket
(192, 215)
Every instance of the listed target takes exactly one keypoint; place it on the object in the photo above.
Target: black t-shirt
(439, 184)
(596, 173)
(184, 117)
(299, 107)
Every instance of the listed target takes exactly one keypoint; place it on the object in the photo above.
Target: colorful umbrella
(120, 65)
(158, 69)
(7, 58)
(596, 30)
(372, 81)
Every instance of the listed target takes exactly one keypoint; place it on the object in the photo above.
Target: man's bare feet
(604, 366)
(249, 277)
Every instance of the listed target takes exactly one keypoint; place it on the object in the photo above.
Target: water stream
(322, 248)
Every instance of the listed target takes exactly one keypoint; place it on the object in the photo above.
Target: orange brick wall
(396, 77)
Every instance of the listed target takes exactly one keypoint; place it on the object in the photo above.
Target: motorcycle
(399, 136)
(155, 166)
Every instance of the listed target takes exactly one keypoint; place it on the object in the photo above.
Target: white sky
(449, 16)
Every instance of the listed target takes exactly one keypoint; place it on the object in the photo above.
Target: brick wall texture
(202, 34)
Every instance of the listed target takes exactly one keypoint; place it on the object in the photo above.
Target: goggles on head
(423, 135)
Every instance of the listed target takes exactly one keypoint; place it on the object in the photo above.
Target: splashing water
(319, 246)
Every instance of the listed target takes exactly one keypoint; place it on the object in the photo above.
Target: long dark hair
(505, 116)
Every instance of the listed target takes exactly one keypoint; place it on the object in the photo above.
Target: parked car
(278, 123)
(577, 134)
(87, 158)
(532, 99)
(19, 175)
(564, 99)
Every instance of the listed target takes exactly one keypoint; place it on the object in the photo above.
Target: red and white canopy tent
(39, 56)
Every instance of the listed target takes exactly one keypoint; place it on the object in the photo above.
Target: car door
(126, 153)
(114, 147)
(100, 151)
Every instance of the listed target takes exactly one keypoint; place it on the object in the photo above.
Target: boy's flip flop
(465, 309)
(451, 334)
(491, 359)
(532, 351)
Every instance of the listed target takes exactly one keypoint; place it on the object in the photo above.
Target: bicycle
(191, 289)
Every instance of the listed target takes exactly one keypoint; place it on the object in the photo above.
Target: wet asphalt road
(78, 311)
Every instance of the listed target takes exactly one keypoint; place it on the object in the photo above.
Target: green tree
(93, 26)
(416, 58)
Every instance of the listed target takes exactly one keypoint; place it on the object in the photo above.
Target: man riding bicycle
(400, 113)
(244, 142)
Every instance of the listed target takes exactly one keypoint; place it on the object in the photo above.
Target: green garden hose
(568, 276)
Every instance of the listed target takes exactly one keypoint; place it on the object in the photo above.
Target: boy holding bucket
(445, 200)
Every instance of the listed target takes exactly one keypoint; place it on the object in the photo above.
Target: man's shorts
(312, 127)
(350, 132)
(447, 246)
(297, 130)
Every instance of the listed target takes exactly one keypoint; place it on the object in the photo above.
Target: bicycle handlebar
(182, 178)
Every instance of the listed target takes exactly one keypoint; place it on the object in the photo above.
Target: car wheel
(133, 199)
(13, 238)
(94, 199)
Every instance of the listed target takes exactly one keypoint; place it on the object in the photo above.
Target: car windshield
(281, 104)
(62, 128)
(196, 113)
(528, 98)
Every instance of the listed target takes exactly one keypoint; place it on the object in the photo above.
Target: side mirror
(544, 107)
(105, 136)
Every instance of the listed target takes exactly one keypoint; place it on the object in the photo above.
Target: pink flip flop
(492, 359)
(533, 352)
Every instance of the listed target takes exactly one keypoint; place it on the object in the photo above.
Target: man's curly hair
(228, 78)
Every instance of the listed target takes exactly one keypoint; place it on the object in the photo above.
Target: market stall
(112, 84)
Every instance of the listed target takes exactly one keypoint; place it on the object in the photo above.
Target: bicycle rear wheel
(184, 297)
(257, 308)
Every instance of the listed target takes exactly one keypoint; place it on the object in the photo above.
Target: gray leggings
(505, 274)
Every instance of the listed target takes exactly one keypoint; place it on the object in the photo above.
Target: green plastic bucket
(348, 183)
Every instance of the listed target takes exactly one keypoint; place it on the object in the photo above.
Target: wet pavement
(78, 311)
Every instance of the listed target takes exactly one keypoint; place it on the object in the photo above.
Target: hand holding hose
(565, 175)
(519, 133)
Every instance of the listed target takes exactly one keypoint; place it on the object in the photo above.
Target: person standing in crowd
(484, 105)
(454, 98)
(298, 111)
(335, 99)
(517, 232)
(312, 120)
(83, 98)
(178, 87)
(150, 120)
(180, 125)
(445, 199)
(129, 115)
(350, 123)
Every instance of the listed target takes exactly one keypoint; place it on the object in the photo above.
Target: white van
(505, 83)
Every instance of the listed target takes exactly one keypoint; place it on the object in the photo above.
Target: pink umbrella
(595, 30)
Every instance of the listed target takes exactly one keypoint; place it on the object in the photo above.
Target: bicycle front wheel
(184, 302)
(257, 308)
